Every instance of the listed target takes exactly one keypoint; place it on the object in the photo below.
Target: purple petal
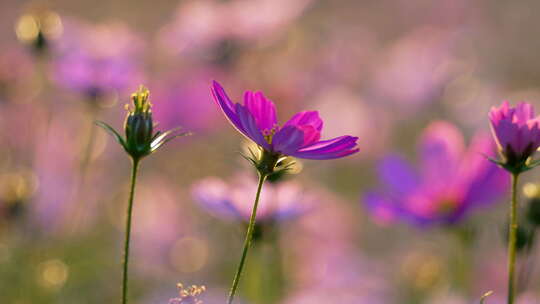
(249, 124)
(331, 145)
(380, 207)
(213, 194)
(310, 118)
(262, 109)
(398, 174)
(387, 210)
(311, 135)
(288, 140)
(486, 182)
(524, 112)
(441, 148)
(227, 106)
(329, 149)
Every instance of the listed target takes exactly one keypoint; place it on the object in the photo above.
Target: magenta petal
(311, 135)
(262, 109)
(398, 174)
(441, 149)
(310, 118)
(380, 207)
(249, 124)
(226, 105)
(524, 112)
(331, 145)
(329, 149)
(288, 140)
(484, 180)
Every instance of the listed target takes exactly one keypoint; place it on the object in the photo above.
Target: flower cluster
(188, 295)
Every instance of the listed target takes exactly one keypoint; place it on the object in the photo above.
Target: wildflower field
(269, 152)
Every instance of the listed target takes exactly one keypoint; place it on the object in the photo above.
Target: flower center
(446, 206)
(269, 134)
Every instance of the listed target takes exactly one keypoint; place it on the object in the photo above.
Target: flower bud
(140, 138)
(139, 125)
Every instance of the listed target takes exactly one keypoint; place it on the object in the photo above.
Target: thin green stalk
(128, 229)
(247, 241)
(512, 240)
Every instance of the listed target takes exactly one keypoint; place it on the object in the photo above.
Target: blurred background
(380, 70)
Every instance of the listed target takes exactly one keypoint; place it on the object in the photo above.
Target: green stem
(512, 240)
(247, 241)
(128, 229)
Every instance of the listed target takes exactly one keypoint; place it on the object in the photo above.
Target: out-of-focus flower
(279, 201)
(98, 60)
(451, 181)
(416, 69)
(517, 134)
(188, 295)
(55, 161)
(345, 110)
(198, 25)
(298, 137)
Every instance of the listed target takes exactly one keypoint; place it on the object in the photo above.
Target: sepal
(113, 132)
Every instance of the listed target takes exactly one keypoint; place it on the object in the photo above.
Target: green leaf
(113, 132)
(483, 298)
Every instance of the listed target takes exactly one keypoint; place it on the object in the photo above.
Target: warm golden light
(531, 190)
(30, 25)
(53, 273)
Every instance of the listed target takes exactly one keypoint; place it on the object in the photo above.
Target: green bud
(140, 139)
(139, 126)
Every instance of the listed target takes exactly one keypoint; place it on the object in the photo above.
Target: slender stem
(247, 241)
(128, 229)
(512, 240)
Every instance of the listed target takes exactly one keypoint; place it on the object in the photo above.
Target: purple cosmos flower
(279, 201)
(516, 132)
(298, 137)
(451, 180)
(98, 59)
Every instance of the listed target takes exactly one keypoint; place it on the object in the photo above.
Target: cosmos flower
(98, 60)
(279, 201)
(516, 132)
(298, 137)
(451, 181)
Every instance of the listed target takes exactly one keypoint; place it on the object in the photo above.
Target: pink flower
(516, 132)
(298, 137)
